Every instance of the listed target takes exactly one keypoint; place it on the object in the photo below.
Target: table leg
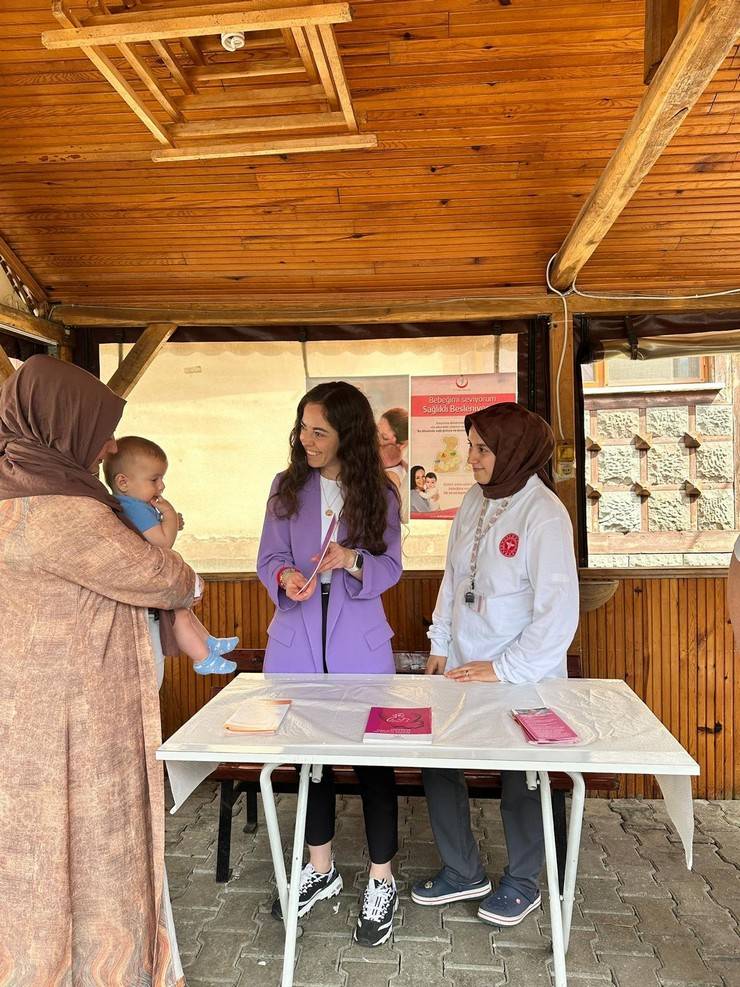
(290, 918)
(553, 884)
(273, 833)
(574, 848)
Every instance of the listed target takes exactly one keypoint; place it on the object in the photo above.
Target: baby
(135, 474)
(431, 493)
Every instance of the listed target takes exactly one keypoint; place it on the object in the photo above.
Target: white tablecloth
(472, 728)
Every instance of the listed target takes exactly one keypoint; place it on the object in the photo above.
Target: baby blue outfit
(144, 516)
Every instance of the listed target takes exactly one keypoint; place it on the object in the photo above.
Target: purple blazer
(358, 636)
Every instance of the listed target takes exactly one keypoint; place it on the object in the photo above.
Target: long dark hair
(364, 482)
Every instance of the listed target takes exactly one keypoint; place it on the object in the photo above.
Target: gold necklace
(329, 512)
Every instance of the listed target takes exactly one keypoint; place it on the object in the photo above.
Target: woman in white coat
(506, 612)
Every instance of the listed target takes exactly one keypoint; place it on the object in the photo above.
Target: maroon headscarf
(521, 441)
(54, 419)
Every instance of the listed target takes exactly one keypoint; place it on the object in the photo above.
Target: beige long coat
(81, 794)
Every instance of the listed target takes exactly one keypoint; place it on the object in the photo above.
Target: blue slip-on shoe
(221, 645)
(506, 906)
(441, 890)
(214, 665)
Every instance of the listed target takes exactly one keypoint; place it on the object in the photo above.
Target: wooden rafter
(366, 310)
(329, 44)
(111, 74)
(257, 125)
(26, 283)
(289, 92)
(276, 145)
(165, 53)
(25, 324)
(140, 356)
(172, 27)
(6, 367)
(694, 57)
(253, 70)
(662, 21)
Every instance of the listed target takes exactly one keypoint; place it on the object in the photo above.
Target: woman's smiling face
(480, 457)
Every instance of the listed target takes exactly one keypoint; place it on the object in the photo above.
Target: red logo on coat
(509, 545)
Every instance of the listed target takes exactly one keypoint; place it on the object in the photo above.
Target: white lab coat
(528, 579)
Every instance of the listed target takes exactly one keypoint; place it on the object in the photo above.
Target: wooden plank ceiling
(493, 121)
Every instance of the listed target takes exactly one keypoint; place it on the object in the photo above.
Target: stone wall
(660, 472)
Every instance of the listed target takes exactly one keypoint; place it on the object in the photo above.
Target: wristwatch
(357, 564)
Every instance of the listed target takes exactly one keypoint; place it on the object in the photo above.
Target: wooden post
(563, 415)
(693, 59)
(6, 367)
(139, 357)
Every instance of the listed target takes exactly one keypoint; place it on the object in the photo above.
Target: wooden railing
(668, 637)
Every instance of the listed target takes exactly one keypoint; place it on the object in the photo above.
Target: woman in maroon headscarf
(82, 886)
(506, 612)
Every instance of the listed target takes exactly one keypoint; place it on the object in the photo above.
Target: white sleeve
(440, 633)
(736, 550)
(540, 650)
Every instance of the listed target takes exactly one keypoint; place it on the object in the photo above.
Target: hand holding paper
(304, 593)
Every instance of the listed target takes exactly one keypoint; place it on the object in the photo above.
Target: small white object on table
(472, 728)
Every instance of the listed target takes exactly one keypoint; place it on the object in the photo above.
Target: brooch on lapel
(509, 545)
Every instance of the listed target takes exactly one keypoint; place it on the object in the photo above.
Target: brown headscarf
(521, 441)
(54, 419)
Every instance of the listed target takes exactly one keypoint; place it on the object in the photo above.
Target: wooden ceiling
(494, 120)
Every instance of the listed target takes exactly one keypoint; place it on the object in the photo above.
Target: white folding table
(472, 728)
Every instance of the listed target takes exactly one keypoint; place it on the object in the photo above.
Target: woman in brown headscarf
(81, 794)
(506, 612)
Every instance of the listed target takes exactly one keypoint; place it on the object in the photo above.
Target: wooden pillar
(562, 412)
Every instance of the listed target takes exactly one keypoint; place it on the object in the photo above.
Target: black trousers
(377, 790)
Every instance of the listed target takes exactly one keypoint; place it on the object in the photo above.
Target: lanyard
(479, 533)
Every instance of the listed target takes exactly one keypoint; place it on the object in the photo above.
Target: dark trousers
(449, 814)
(377, 790)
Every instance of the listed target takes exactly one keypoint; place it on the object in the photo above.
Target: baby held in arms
(135, 475)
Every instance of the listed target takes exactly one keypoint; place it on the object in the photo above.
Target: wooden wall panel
(668, 638)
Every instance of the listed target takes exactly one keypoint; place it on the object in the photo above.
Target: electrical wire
(558, 375)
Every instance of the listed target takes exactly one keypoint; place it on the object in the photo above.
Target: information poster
(439, 476)
(389, 399)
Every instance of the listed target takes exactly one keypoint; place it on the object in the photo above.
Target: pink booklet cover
(543, 726)
(389, 724)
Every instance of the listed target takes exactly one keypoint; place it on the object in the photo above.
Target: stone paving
(640, 919)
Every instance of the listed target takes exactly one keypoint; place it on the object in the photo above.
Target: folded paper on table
(322, 552)
(390, 724)
(258, 716)
(542, 725)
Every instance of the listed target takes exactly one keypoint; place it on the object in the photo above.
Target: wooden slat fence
(668, 638)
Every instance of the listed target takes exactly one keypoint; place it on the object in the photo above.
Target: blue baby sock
(214, 664)
(221, 645)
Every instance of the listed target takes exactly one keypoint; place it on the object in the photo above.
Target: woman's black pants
(377, 789)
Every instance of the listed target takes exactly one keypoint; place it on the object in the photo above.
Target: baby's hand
(180, 521)
(162, 505)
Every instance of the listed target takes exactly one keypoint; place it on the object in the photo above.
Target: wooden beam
(661, 25)
(166, 27)
(256, 125)
(290, 92)
(304, 52)
(25, 324)
(193, 51)
(276, 311)
(164, 51)
(329, 42)
(139, 357)
(21, 272)
(111, 75)
(142, 70)
(277, 145)
(6, 367)
(252, 70)
(695, 56)
(322, 66)
(374, 308)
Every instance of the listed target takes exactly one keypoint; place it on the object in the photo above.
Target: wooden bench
(238, 779)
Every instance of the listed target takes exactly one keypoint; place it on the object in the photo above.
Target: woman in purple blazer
(336, 623)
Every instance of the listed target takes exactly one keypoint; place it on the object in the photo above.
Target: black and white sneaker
(314, 887)
(379, 903)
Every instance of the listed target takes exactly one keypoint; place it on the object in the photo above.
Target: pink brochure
(544, 726)
(389, 724)
(322, 551)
